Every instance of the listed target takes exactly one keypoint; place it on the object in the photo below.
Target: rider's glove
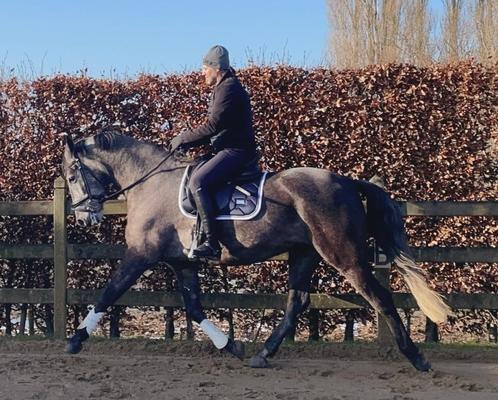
(176, 143)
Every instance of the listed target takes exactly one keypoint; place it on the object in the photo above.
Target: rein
(138, 181)
(117, 193)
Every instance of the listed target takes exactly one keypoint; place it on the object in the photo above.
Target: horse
(310, 213)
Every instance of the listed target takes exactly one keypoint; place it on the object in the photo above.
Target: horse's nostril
(80, 222)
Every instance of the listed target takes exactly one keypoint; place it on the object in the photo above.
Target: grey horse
(310, 213)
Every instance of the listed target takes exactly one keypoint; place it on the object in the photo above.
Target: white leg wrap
(91, 321)
(218, 338)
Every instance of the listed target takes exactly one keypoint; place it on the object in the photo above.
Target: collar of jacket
(227, 74)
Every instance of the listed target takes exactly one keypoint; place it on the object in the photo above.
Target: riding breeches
(225, 165)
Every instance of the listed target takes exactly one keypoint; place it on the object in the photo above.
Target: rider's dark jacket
(229, 124)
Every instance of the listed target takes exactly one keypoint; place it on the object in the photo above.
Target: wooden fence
(62, 251)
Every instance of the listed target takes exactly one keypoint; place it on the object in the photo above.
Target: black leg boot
(210, 249)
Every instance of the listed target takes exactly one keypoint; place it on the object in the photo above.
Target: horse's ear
(68, 141)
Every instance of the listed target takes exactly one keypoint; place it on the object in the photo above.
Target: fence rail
(249, 301)
(61, 251)
(116, 251)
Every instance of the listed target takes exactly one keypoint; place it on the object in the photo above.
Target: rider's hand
(176, 143)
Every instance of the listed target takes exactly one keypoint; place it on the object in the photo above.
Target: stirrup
(206, 251)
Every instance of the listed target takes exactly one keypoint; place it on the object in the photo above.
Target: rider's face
(210, 74)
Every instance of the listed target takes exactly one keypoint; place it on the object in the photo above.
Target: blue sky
(123, 38)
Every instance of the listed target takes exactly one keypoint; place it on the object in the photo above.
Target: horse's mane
(113, 140)
(107, 139)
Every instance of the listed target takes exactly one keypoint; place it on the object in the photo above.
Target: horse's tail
(385, 224)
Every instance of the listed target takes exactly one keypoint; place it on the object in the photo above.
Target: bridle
(89, 197)
(94, 200)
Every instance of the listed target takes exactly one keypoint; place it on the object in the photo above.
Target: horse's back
(320, 196)
(310, 184)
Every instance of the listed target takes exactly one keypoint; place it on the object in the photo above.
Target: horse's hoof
(73, 346)
(258, 362)
(421, 364)
(236, 348)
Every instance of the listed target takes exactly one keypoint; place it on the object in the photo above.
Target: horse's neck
(129, 165)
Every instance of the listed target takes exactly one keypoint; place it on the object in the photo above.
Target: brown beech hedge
(430, 133)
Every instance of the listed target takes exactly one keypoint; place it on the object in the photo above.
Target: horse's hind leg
(381, 300)
(302, 262)
(358, 273)
(339, 236)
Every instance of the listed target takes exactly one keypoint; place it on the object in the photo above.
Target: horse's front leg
(188, 280)
(132, 266)
(297, 302)
(302, 262)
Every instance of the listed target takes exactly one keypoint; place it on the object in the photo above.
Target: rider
(229, 129)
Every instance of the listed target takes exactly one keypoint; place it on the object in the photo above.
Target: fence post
(60, 258)
(190, 329)
(431, 332)
(115, 314)
(349, 330)
(314, 314)
(169, 323)
(382, 273)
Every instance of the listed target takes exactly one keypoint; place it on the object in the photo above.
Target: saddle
(238, 199)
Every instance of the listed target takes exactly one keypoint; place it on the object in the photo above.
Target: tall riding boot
(210, 249)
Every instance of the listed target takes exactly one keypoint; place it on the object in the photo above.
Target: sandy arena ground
(140, 369)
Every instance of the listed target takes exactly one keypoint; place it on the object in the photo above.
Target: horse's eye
(72, 179)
